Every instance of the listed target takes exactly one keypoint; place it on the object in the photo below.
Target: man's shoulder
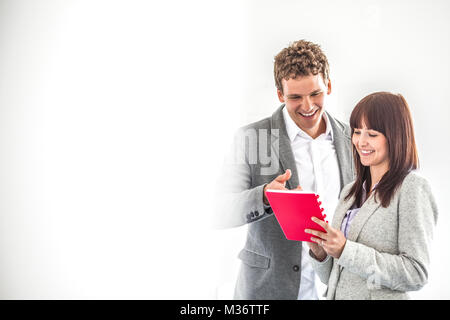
(254, 130)
(260, 124)
(263, 124)
(338, 124)
(267, 122)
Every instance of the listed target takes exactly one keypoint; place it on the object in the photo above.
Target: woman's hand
(332, 242)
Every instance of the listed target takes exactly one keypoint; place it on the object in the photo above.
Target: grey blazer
(387, 249)
(270, 266)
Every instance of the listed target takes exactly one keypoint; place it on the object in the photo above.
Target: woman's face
(372, 147)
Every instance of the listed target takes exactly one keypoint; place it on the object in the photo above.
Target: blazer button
(296, 268)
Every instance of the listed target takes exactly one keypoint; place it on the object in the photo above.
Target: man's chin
(309, 125)
(311, 121)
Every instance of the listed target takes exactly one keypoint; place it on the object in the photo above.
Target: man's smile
(310, 114)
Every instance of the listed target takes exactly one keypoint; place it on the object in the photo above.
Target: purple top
(351, 213)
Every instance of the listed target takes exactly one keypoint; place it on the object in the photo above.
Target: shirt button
(256, 213)
(296, 268)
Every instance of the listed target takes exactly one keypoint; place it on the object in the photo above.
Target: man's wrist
(318, 257)
(264, 196)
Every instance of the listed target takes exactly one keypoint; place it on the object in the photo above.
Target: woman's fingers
(317, 233)
(319, 241)
(321, 223)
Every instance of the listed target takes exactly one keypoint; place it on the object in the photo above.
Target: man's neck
(318, 130)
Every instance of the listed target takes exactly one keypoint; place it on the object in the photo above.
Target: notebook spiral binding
(321, 209)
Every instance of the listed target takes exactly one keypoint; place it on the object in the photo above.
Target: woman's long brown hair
(389, 114)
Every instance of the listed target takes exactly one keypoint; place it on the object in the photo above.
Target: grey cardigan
(387, 252)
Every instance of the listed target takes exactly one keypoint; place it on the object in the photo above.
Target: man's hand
(278, 184)
(318, 251)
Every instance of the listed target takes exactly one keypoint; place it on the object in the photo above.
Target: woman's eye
(372, 135)
(356, 132)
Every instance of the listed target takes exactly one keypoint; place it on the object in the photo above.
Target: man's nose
(308, 104)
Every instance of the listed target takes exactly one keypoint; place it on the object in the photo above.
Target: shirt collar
(364, 186)
(293, 130)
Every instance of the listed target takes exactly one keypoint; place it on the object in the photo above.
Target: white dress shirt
(318, 171)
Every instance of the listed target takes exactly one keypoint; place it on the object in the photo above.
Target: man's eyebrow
(295, 95)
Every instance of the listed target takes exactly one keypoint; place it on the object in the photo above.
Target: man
(308, 148)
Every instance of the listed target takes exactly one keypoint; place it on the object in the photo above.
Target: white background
(115, 116)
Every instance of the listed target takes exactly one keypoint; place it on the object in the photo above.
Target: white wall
(114, 117)
(111, 125)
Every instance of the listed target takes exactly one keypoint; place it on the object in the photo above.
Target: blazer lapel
(342, 144)
(286, 156)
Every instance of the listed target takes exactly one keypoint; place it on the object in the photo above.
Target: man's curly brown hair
(301, 58)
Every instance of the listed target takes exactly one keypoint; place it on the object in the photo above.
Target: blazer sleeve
(237, 201)
(407, 270)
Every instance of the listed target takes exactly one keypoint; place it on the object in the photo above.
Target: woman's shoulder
(348, 186)
(416, 196)
(415, 186)
(345, 190)
(414, 180)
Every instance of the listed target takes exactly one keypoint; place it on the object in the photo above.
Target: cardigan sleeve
(407, 270)
(322, 268)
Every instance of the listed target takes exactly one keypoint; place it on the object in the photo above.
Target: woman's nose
(362, 140)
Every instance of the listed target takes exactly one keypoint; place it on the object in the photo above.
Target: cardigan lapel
(285, 154)
(367, 209)
(340, 212)
(364, 213)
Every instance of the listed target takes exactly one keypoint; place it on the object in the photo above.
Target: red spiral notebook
(294, 210)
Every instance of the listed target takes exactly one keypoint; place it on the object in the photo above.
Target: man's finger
(284, 177)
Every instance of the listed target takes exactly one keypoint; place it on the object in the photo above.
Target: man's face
(304, 98)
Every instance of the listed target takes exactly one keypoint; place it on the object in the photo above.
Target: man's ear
(280, 96)
(329, 87)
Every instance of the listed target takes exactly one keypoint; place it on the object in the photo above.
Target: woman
(377, 246)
